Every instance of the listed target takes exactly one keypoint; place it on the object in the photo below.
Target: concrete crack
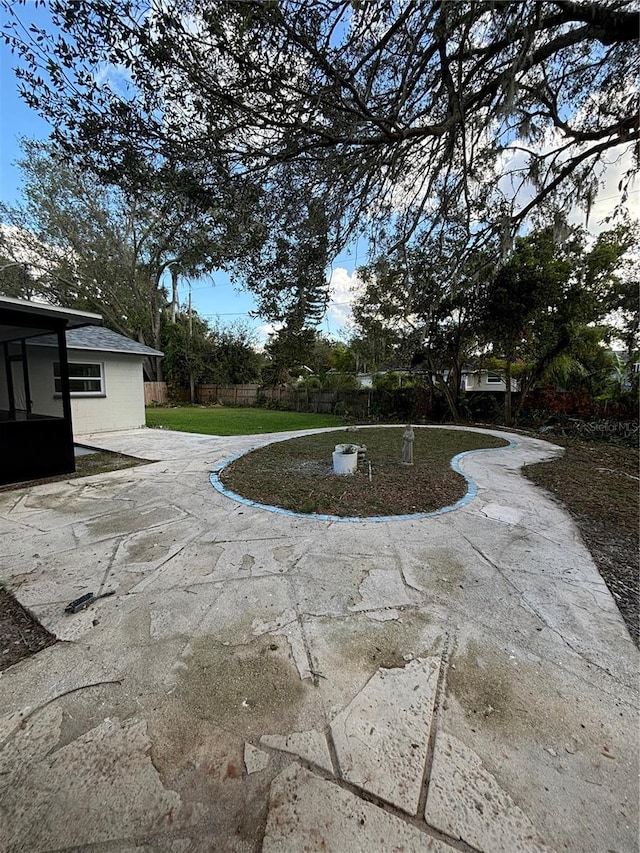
(522, 595)
(415, 821)
(107, 571)
(38, 708)
(441, 689)
(495, 566)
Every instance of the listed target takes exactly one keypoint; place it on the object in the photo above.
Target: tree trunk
(541, 365)
(150, 368)
(174, 294)
(156, 331)
(436, 380)
(452, 402)
(507, 393)
(453, 381)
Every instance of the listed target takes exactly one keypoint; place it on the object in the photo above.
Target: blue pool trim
(472, 491)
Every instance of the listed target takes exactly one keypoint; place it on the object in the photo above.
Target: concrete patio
(261, 682)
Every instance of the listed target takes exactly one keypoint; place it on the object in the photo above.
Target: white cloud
(344, 286)
(609, 196)
(262, 334)
(117, 78)
(512, 165)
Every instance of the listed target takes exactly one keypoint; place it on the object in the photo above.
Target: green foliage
(311, 383)
(614, 274)
(373, 344)
(286, 268)
(188, 350)
(286, 350)
(294, 349)
(542, 306)
(342, 358)
(388, 381)
(16, 278)
(340, 382)
(195, 353)
(234, 359)
(321, 357)
(307, 121)
(98, 248)
(421, 302)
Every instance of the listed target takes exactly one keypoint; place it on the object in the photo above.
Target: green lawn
(235, 421)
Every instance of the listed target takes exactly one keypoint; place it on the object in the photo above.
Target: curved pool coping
(472, 491)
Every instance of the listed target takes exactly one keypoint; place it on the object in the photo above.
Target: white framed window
(86, 378)
(493, 378)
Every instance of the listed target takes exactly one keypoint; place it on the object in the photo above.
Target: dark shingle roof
(97, 338)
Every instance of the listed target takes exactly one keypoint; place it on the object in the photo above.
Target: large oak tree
(79, 243)
(390, 116)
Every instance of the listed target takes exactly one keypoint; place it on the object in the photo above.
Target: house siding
(478, 381)
(121, 407)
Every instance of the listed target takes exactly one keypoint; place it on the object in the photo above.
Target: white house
(485, 380)
(106, 379)
(471, 379)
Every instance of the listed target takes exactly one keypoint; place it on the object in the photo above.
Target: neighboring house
(485, 380)
(106, 379)
(472, 379)
(366, 380)
(36, 437)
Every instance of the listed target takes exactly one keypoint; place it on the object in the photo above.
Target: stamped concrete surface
(266, 682)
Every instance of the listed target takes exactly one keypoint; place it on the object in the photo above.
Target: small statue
(407, 445)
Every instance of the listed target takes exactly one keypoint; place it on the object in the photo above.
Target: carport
(36, 438)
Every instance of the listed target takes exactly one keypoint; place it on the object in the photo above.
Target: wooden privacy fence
(355, 403)
(230, 395)
(282, 396)
(366, 403)
(238, 395)
(155, 392)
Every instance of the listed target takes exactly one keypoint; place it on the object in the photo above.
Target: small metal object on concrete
(85, 601)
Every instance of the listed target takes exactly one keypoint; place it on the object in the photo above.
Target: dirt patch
(245, 688)
(598, 484)
(481, 682)
(297, 474)
(100, 462)
(525, 701)
(359, 644)
(21, 634)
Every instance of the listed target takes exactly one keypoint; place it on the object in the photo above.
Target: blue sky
(214, 297)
